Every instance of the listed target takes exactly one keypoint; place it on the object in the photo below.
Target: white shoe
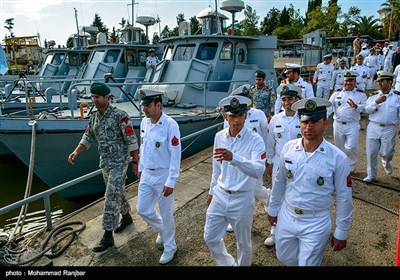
(388, 168)
(270, 240)
(368, 179)
(166, 257)
(159, 240)
(229, 228)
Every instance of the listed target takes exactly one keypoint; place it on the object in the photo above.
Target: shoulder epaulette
(359, 90)
(396, 92)
(253, 86)
(372, 93)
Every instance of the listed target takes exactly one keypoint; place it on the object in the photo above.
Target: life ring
(83, 104)
(31, 101)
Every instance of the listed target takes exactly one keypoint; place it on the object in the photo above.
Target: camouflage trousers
(115, 197)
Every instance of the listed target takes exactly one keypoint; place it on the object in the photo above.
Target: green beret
(99, 88)
(260, 74)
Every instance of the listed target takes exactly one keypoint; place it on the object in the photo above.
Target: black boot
(105, 242)
(125, 221)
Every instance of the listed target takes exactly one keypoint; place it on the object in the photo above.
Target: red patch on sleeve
(87, 128)
(264, 155)
(125, 120)
(129, 130)
(175, 141)
(349, 184)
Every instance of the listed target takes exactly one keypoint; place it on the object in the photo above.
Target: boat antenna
(219, 29)
(133, 17)
(78, 44)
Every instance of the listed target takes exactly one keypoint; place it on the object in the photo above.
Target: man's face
(327, 60)
(290, 76)
(100, 101)
(349, 84)
(312, 130)
(151, 109)
(236, 122)
(385, 85)
(151, 53)
(259, 82)
(287, 103)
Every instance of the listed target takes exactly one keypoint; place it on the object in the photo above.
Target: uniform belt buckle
(298, 211)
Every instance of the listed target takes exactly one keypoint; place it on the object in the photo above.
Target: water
(13, 178)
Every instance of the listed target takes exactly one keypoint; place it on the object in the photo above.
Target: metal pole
(77, 28)
(390, 22)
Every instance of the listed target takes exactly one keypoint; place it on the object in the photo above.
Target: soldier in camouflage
(263, 95)
(117, 143)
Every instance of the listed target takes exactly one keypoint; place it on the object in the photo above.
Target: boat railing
(45, 195)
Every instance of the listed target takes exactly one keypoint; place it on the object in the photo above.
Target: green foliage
(98, 22)
(270, 21)
(156, 39)
(250, 22)
(9, 26)
(195, 25)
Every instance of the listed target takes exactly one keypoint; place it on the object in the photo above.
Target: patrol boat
(194, 74)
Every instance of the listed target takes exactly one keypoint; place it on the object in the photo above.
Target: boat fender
(31, 101)
(83, 105)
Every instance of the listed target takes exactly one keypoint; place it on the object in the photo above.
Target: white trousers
(150, 190)
(323, 89)
(345, 137)
(301, 240)
(237, 210)
(380, 140)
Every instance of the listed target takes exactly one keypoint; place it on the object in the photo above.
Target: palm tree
(369, 26)
(390, 17)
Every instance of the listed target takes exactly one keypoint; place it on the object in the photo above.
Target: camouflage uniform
(263, 99)
(116, 140)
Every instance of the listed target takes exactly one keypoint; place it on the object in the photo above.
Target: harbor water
(13, 181)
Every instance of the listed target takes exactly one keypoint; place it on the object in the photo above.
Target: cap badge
(235, 102)
(285, 89)
(245, 90)
(310, 105)
(142, 94)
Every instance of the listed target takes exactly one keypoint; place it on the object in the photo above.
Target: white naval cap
(242, 90)
(312, 108)
(289, 90)
(149, 95)
(291, 66)
(350, 75)
(384, 75)
(234, 105)
(328, 56)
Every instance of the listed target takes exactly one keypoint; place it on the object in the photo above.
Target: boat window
(97, 56)
(142, 58)
(57, 59)
(241, 55)
(73, 59)
(226, 51)
(49, 58)
(207, 51)
(168, 53)
(112, 56)
(131, 57)
(184, 52)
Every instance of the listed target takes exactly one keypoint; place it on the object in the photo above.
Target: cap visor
(312, 117)
(145, 102)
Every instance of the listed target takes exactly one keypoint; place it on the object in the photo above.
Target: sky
(55, 19)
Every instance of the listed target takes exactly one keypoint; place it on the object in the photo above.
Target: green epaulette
(396, 92)
(372, 93)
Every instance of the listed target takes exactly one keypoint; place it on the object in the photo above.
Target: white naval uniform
(396, 73)
(337, 81)
(346, 125)
(257, 121)
(282, 130)
(362, 70)
(152, 60)
(372, 63)
(381, 129)
(160, 159)
(337, 64)
(323, 76)
(232, 187)
(302, 198)
(306, 92)
(387, 62)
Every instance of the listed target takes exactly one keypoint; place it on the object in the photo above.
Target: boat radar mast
(232, 6)
(146, 21)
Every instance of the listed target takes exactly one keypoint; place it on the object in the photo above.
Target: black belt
(230, 192)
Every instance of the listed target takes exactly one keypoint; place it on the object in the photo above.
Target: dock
(371, 242)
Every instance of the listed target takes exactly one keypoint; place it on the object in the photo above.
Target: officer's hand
(209, 198)
(338, 244)
(272, 220)
(380, 99)
(351, 103)
(269, 169)
(167, 191)
(222, 154)
(135, 169)
(72, 157)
